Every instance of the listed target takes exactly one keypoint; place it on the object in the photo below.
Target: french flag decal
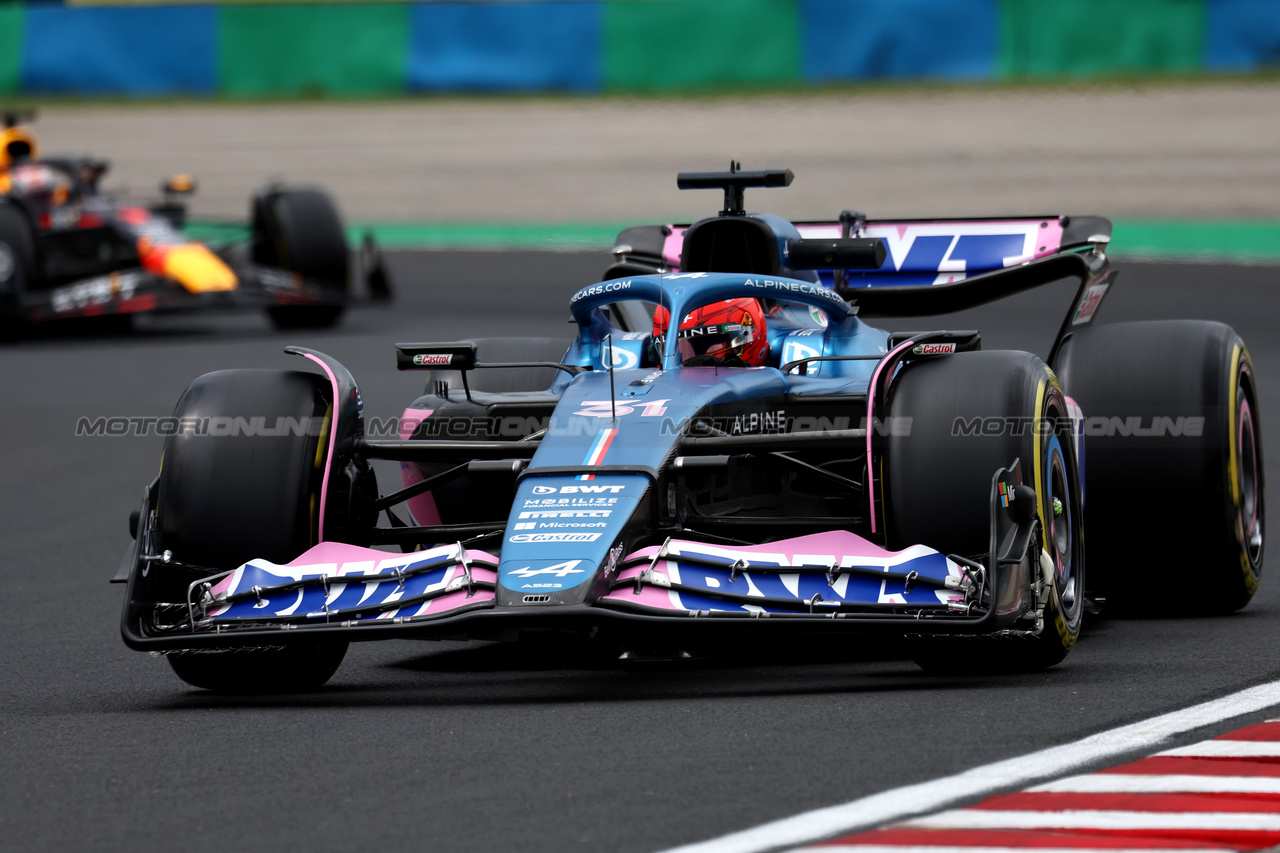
(599, 447)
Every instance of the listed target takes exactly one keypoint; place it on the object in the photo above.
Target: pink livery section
(422, 508)
(822, 572)
(339, 583)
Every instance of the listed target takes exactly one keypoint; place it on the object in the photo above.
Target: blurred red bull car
(69, 251)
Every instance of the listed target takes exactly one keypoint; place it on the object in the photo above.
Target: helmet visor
(718, 339)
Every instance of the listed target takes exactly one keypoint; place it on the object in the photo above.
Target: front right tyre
(971, 414)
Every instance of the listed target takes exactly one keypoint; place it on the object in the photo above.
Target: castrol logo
(428, 359)
(934, 349)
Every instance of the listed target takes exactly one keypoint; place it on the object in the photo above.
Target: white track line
(1227, 749)
(1002, 775)
(1124, 783)
(1096, 819)
(944, 848)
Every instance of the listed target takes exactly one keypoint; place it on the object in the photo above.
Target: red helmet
(731, 333)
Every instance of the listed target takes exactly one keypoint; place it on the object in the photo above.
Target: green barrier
(1239, 240)
(1084, 38)
(699, 44)
(559, 237)
(11, 33)
(305, 49)
(1257, 241)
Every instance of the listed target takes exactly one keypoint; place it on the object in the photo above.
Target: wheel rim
(1248, 481)
(1061, 538)
(1059, 517)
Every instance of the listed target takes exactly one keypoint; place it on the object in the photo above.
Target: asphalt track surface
(459, 747)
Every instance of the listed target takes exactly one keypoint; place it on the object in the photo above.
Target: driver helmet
(37, 184)
(17, 145)
(730, 333)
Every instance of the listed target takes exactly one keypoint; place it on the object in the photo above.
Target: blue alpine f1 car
(650, 485)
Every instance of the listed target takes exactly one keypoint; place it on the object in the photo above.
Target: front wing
(835, 581)
(138, 291)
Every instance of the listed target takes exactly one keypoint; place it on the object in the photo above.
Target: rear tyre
(300, 230)
(17, 263)
(1174, 475)
(229, 496)
(937, 482)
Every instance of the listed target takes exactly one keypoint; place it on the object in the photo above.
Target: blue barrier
(119, 50)
(252, 49)
(504, 46)
(898, 38)
(1242, 35)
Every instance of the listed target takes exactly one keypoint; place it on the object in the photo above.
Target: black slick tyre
(300, 230)
(17, 264)
(972, 414)
(233, 494)
(1173, 464)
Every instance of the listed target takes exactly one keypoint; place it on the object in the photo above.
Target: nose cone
(559, 544)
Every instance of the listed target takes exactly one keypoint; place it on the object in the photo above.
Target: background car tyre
(233, 494)
(17, 264)
(937, 488)
(300, 230)
(1173, 464)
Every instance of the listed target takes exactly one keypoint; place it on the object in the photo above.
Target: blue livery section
(562, 527)
(369, 584)
(848, 588)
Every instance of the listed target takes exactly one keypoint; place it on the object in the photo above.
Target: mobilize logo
(934, 349)
(560, 570)
(432, 358)
(577, 490)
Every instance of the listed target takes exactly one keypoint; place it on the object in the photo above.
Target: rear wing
(930, 266)
(917, 251)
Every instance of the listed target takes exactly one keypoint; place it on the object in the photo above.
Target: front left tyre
(239, 487)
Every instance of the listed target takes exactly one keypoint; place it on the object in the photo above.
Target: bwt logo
(577, 490)
(432, 358)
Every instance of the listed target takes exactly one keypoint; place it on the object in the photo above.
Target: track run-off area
(487, 746)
